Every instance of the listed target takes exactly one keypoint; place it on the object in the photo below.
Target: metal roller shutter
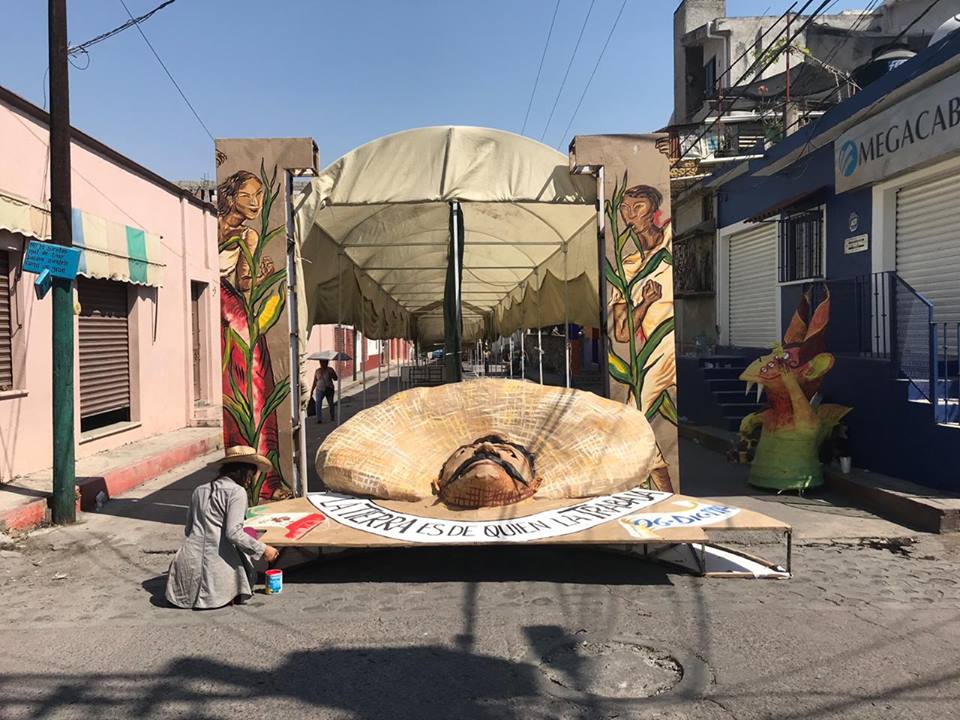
(6, 346)
(104, 347)
(753, 286)
(928, 245)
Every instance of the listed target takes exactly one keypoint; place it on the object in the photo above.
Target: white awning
(108, 250)
(381, 215)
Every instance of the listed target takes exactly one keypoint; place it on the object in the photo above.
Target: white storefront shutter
(928, 245)
(753, 286)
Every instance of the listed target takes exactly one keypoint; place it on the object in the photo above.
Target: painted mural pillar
(255, 324)
(636, 281)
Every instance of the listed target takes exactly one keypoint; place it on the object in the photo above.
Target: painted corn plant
(252, 301)
(636, 263)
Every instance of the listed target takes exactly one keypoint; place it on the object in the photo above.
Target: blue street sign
(42, 284)
(61, 261)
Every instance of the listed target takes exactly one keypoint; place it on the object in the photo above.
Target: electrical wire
(806, 146)
(543, 55)
(567, 73)
(169, 75)
(117, 30)
(776, 22)
(590, 79)
(917, 19)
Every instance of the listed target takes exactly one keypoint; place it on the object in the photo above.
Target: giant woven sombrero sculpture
(488, 443)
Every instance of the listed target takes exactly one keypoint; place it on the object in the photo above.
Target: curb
(26, 516)
(120, 480)
(113, 483)
(898, 500)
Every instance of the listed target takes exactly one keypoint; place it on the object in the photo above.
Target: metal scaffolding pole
(343, 337)
(523, 355)
(566, 319)
(539, 328)
(363, 351)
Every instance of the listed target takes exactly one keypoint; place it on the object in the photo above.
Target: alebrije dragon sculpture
(788, 454)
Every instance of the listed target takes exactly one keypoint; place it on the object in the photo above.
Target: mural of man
(652, 298)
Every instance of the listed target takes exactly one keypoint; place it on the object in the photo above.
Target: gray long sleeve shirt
(214, 565)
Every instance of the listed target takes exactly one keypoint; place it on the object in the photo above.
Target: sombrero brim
(261, 463)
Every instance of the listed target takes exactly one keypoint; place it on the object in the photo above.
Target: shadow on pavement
(167, 505)
(512, 563)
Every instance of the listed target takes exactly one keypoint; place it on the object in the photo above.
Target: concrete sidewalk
(24, 502)
(916, 506)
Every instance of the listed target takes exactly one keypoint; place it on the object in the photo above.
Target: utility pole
(64, 508)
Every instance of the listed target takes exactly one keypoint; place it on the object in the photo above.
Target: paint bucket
(274, 582)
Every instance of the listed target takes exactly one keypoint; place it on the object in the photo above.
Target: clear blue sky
(350, 71)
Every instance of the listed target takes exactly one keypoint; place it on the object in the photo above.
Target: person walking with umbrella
(324, 387)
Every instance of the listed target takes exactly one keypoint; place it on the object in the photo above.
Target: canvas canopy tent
(374, 230)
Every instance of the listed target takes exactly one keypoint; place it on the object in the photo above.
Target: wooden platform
(634, 517)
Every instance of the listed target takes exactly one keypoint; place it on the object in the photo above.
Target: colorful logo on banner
(642, 524)
(296, 524)
(370, 517)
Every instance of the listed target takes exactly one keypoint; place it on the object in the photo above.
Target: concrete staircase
(948, 391)
(206, 414)
(721, 374)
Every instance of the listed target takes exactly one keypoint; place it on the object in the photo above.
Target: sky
(351, 71)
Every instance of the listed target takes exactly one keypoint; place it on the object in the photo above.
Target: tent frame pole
(539, 328)
(379, 366)
(297, 406)
(343, 336)
(363, 350)
(603, 340)
(510, 361)
(566, 320)
(523, 355)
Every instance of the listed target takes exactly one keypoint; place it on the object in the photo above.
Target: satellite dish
(948, 27)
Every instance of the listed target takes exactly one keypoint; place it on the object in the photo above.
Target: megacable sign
(923, 127)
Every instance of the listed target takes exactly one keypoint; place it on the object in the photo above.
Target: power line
(159, 60)
(590, 80)
(917, 19)
(776, 22)
(540, 69)
(768, 63)
(567, 73)
(836, 48)
(76, 49)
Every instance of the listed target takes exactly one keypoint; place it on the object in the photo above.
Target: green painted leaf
(238, 418)
(265, 285)
(229, 243)
(280, 392)
(665, 406)
(661, 256)
(619, 370)
(659, 333)
(227, 352)
(238, 400)
(239, 342)
(612, 277)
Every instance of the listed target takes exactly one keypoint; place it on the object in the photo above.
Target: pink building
(147, 334)
(329, 337)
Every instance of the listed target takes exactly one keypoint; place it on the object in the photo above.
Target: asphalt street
(868, 628)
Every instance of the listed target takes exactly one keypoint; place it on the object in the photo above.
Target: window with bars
(801, 246)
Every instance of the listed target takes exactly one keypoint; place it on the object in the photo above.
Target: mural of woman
(641, 303)
(248, 307)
